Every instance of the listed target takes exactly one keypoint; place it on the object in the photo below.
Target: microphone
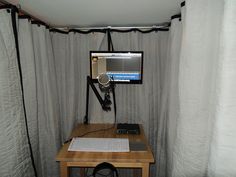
(105, 86)
(104, 82)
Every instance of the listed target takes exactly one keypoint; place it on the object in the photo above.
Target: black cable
(13, 16)
(164, 28)
(98, 130)
(154, 29)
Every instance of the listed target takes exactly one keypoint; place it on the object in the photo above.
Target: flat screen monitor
(121, 67)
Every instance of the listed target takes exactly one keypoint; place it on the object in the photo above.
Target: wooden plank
(64, 171)
(134, 159)
(145, 170)
(131, 157)
(116, 164)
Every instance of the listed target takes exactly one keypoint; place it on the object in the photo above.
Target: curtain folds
(202, 110)
(142, 103)
(148, 103)
(186, 103)
(71, 53)
(197, 97)
(169, 100)
(223, 144)
(172, 105)
(29, 80)
(41, 96)
(15, 158)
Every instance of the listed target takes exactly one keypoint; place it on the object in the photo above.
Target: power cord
(13, 16)
(104, 129)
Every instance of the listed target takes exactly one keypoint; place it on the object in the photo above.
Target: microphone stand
(103, 103)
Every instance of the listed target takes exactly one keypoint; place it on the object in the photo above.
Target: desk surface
(114, 157)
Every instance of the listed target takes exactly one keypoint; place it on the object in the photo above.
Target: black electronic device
(128, 129)
(121, 66)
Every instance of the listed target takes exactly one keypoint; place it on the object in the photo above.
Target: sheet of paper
(99, 144)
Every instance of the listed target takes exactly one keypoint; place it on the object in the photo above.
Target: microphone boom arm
(101, 101)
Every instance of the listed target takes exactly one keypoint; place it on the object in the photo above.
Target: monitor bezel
(118, 82)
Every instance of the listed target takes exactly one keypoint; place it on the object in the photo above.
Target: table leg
(145, 170)
(64, 171)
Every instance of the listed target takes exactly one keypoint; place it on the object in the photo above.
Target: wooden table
(133, 159)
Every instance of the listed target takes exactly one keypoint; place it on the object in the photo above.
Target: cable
(13, 16)
(104, 129)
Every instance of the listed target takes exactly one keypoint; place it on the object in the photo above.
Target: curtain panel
(71, 52)
(15, 158)
(142, 103)
(135, 103)
(202, 112)
(41, 96)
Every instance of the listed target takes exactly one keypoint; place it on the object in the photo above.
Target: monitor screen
(121, 67)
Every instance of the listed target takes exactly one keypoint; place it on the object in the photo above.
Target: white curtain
(15, 158)
(29, 80)
(71, 53)
(142, 103)
(41, 96)
(223, 144)
(171, 83)
(135, 103)
(169, 99)
(202, 109)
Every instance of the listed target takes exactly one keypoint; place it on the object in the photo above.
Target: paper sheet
(99, 145)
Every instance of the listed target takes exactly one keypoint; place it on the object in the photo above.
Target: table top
(128, 157)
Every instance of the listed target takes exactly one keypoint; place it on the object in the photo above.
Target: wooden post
(145, 170)
(64, 169)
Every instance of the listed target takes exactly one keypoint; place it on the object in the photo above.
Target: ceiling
(94, 13)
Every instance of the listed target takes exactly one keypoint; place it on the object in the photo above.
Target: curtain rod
(161, 25)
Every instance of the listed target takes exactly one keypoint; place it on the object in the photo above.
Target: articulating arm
(104, 103)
